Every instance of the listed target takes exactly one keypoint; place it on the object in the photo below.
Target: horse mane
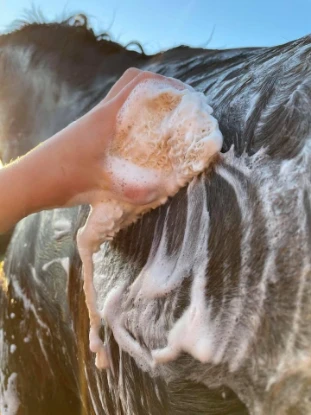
(35, 17)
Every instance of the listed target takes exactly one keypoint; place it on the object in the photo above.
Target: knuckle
(132, 71)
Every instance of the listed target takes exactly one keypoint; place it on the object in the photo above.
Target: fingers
(168, 80)
(120, 92)
(127, 77)
(132, 73)
(116, 103)
(118, 100)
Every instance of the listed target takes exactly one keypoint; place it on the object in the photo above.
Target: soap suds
(12, 348)
(9, 402)
(192, 333)
(27, 304)
(62, 228)
(129, 311)
(164, 137)
(63, 261)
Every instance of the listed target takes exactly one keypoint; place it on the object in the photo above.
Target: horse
(234, 244)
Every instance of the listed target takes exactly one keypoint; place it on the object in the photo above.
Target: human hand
(86, 156)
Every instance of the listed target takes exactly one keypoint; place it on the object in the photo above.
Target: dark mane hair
(81, 21)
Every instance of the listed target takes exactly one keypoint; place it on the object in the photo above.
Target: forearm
(35, 182)
(13, 203)
(72, 166)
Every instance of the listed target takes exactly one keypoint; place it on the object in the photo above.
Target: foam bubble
(164, 137)
(163, 128)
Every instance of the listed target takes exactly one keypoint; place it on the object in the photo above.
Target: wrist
(13, 199)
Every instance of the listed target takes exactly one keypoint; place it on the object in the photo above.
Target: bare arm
(69, 167)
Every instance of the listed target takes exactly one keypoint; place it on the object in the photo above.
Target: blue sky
(161, 24)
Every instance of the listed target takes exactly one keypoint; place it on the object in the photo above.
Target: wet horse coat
(235, 242)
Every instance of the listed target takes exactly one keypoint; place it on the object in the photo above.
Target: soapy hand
(71, 167)
(150, 137)
(88, 169)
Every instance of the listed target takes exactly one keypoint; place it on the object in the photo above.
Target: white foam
(65, 263)
(192, 332)
(9, 401)
(164, 137)
(12, 348)
(195, 332)
(62, 227)
(28, 305)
